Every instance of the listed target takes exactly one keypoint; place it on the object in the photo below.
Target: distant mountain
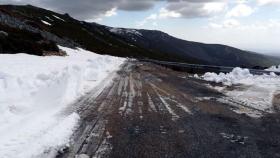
(37, 31)
(274, 54)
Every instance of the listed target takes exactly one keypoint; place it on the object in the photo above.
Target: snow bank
(255, 91)
(35, 90)
(274, 68)
(233, 77)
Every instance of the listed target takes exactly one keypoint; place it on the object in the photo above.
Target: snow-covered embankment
(35, 90)
(255, 91)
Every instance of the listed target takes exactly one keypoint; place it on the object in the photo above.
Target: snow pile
(274, 68)
(34, 91)
(254, 91)
(233, 77)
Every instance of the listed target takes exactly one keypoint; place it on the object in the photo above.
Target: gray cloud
(88, 9)
(194, 9)
(136, 5)
(83, 9)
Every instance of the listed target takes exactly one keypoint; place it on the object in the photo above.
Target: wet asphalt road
(152, 112)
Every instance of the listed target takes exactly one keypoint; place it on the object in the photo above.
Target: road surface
(152, 112)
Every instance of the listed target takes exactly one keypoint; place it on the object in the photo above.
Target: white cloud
(228, 23)
(97, 20)
(155, 24)
(107, 14)
(241, 1)
(268, 2)
(215, 25)
(271, 24)
(274, 23)
(214, 7)
(241, 10)
(162, 14)
(231, 23)
(196, 9)
(152, 17)
(111, 12)
(184, 9)
(165, 13)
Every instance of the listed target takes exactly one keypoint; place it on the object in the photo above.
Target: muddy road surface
(152, 112)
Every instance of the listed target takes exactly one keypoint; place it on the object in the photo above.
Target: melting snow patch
(46, 23)
(255, 91)
(34, 92)
(58, 18)
(235, 138)
(124, 31)
(49, 18)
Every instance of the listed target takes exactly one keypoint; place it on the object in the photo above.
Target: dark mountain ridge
(37, 31)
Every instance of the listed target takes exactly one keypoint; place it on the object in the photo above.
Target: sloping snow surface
(254, 91)
(34, 91)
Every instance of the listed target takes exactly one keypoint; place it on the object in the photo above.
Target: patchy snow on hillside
(46, 23)
(125, 31)
(255, 92)
(58, 18)
(49, 18)
(34, 92)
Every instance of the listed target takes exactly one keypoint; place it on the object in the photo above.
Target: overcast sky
(246, 24)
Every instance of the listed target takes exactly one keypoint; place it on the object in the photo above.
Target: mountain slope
(42, 29)
(213, 54)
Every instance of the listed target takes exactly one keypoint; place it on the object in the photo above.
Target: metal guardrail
(195, 68)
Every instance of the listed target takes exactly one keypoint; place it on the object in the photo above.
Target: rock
(54, 53)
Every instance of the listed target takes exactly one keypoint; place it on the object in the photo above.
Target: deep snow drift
(254, 91)
(35, 90)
